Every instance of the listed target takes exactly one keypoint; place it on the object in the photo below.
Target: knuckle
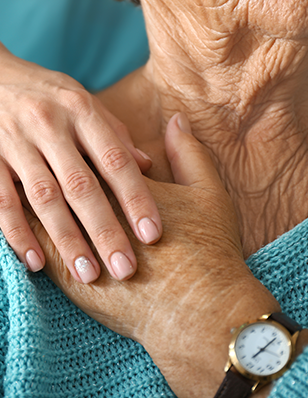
(135, 203)
(7, 202)
(115, 159)
(77, 100)
(107, 236)
(80, 184)
(42, 193)
(9, 128)
(67, 242)
(62, 79)
(16, 233)
(41, 112)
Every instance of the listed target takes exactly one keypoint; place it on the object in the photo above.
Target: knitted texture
(282, 266)
(49, 348)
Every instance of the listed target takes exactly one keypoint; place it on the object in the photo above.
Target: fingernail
(183, 123)
(144, 155)
(34, 262)
(148, 230)
(85, 269)
(121, 265)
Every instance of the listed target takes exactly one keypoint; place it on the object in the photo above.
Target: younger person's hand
(47, 122)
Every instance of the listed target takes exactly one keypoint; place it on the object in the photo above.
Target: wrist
(193, 350)
(260, 352)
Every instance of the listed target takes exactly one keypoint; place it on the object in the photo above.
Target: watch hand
(273, 353)
(262, 349)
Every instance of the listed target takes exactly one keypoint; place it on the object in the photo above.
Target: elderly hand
(239, 71)
(191, 287)
(256, 125)
(48, 121)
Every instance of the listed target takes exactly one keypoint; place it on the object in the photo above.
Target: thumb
(189, 159)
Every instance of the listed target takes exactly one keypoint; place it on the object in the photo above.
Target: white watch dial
(262, 349)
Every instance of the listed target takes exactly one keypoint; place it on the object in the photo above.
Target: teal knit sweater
(49, 348)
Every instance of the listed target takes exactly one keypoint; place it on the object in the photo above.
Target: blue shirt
(95, 41)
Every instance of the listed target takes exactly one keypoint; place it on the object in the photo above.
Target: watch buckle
(256, 386)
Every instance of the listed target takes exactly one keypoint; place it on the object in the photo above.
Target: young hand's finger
(46, 199)
(15, 226)
(118, 168)
(190, 161)
(143, 160)
(86, 197)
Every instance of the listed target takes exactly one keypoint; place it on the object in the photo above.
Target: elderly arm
(190, 289)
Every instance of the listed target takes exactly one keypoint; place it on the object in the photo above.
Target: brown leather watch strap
(285, 321)
(234, 386)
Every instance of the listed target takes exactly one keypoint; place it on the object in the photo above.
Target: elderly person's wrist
(197, 384)
(190, 346)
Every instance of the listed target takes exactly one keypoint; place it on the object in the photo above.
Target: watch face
(262, 349)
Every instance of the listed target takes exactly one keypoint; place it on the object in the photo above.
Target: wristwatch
(259, 352)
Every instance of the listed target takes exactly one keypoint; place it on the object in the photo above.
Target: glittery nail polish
(85, 269)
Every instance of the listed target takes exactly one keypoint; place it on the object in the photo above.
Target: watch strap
(234, 386)
(285, 321)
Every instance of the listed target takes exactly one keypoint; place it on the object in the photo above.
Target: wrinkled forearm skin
(190, 289)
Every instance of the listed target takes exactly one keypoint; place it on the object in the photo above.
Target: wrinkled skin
(239, 69)
(241, 79)
(190, 289)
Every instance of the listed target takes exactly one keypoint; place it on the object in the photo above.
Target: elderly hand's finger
(15, 226)
(190, 161)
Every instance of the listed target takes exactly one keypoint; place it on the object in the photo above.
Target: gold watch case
(260, 380)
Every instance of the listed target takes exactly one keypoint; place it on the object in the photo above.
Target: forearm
(168, 305)
(190, 289)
